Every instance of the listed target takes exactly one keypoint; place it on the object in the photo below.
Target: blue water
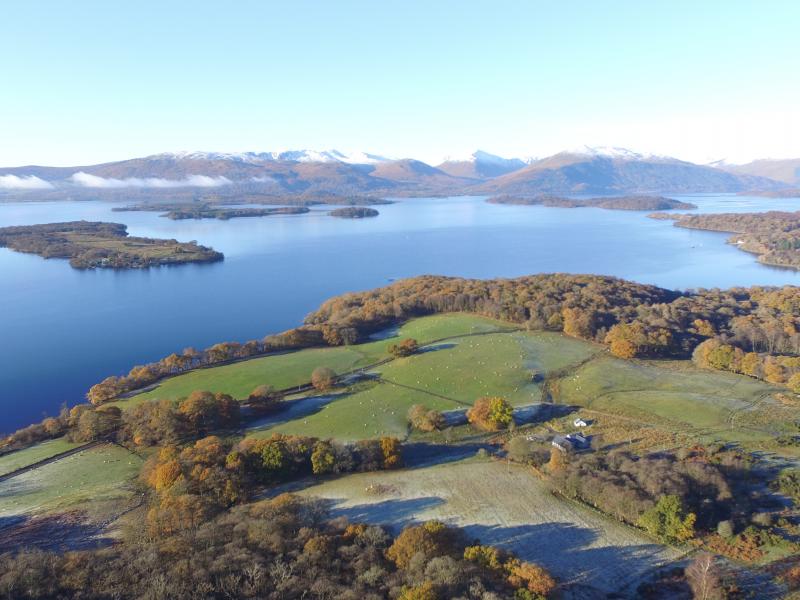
(61, 329)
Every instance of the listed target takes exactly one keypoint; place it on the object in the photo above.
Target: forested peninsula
(620, 203)
(94, 244)
(774, 236)
(632, 319)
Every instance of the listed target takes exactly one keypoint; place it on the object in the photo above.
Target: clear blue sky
(89, 81)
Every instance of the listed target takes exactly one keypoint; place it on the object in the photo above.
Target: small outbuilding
(578, 422)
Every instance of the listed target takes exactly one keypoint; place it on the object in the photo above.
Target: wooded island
(94, 244)
(620, 203)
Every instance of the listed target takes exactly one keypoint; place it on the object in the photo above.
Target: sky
(94, 81)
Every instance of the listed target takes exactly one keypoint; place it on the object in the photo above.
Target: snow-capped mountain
(615, 152)
(481, 165)
(317, 156)
(588, 169)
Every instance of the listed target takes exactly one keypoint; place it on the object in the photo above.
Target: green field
(672, 394)
(28, 456)
(294, 368)
(448, 376)
(94, 475)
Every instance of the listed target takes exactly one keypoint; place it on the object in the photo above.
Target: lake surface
(62, 330)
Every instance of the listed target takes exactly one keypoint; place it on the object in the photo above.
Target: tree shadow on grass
(424, 454)
(59, 532)
(291, 410)
(435, 348)
(395, 514)
(567, 551)
(576, 555)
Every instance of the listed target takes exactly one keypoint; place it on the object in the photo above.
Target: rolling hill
(786, 170)
(599, 173)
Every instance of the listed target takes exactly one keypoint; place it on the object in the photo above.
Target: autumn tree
(429, 539)
(152, 424)
(578, 323)
(323, 458)
(406, 347)
(263, 399)
(323, 378)
(424, 419)
(530, 577)
(206, 412)
(392, 453)
(95, 424)
(491, 413)
(668, 520)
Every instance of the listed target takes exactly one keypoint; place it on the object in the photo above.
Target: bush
(788, 484)
(323, 378)
(762, 519)
(725, 528)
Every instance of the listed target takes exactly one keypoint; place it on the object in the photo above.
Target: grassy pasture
(94, 475)
(673, 395)
(28, 456)
(449, 376)
(505, 506)
(294, 368)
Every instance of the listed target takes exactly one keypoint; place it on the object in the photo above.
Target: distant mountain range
(785, 170)
(584, 170)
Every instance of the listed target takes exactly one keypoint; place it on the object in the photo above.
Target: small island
(773, 236)
(181, 211)
(96, 245)
(354, 212)
(618, 203)
(223, 214)
(787, 193)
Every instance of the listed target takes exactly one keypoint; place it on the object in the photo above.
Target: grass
(28, 456)
(94, 475)
(294, 368)
(503, 505)
(449, 376)
(490, 365)
(671, 394)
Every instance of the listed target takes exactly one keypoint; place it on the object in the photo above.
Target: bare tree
(703, 577)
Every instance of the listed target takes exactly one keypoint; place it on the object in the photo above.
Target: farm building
(573, 442)
(578, 422)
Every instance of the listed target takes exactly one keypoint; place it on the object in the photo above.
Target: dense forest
(354, 212)
(774, 236)
(90, 245)
(618, 203)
